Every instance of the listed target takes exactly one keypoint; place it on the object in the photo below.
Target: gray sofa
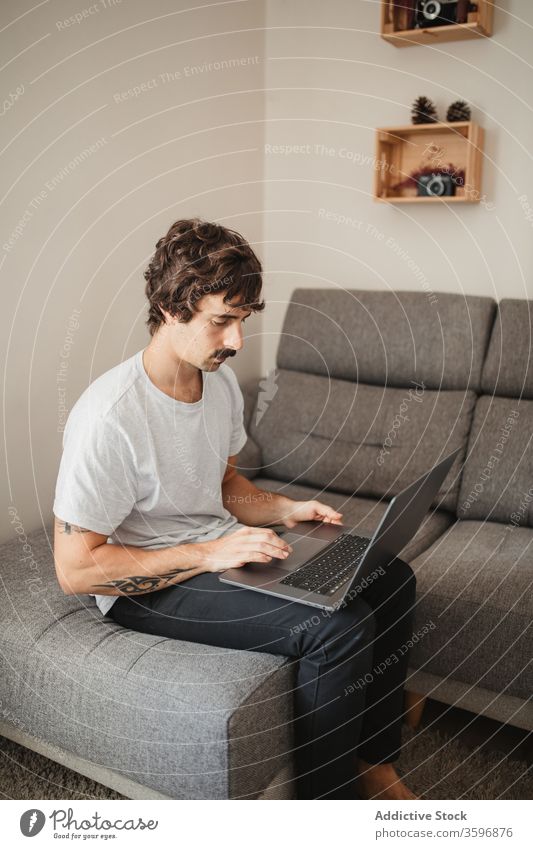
(345, 365)
(476, 581)
(370, 389)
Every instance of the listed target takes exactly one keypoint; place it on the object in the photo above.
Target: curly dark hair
(198, 258)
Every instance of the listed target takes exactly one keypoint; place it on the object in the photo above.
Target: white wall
(330, 80)
(193, 144)
(186, 145)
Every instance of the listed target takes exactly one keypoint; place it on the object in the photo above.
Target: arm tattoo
(67, 528)
(144, 583)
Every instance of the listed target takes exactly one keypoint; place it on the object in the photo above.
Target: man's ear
(169, 318)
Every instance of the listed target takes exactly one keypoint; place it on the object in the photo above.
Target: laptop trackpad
(303, 548)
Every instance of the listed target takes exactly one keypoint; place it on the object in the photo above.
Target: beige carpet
(437, 762)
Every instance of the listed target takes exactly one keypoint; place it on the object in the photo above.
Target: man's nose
(234, 337)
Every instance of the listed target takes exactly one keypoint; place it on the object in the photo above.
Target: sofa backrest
(372, 388)
(497, 481)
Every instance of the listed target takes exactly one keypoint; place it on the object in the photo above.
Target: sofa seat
(475, 584)
(363, 513)
(189, 721)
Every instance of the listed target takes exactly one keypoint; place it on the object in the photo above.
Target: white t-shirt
(145, 469)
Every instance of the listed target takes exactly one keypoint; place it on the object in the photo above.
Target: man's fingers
(261, 541)
(273, 550)
(276, 543)
(259, 557)
(260, 533)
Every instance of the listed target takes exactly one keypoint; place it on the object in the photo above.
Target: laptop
(328, 560)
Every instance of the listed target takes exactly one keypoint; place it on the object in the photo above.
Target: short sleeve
(96, 484)
(239, 437)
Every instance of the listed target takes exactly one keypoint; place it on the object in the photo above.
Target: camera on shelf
(435, 185)
(436, 13)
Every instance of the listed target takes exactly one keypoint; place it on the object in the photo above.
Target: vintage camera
(435, 185)
(435, 13)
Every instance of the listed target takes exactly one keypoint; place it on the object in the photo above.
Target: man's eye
(222, 323)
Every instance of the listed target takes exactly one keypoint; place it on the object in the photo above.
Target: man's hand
(310, 511)
(257, 545)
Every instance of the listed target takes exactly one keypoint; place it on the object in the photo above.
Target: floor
(480, 731)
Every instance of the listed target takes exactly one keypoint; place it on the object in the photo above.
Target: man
(149, 508)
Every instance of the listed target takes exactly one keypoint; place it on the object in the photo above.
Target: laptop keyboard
(331, 568)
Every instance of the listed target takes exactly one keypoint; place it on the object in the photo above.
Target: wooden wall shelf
(402, 150)
(396, 19)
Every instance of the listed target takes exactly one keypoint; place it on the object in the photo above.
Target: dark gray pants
(348, 694)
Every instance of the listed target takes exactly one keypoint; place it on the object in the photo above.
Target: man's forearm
(129, 570)
(254, 506)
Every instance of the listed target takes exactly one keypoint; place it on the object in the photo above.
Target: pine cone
(459, 110)
(423, 111)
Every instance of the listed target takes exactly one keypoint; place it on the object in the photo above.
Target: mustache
(226, 352)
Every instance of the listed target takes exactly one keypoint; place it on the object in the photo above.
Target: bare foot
(381, 781)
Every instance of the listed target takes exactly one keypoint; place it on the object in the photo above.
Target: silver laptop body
(397, 527)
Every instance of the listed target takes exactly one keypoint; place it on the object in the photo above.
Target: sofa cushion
(474, 607)
(363, 514)
(359, 439)
(508, 367)
(497, 481)
(188, 720)
(387, 338)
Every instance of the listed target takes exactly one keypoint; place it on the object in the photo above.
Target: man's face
(213, 334)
